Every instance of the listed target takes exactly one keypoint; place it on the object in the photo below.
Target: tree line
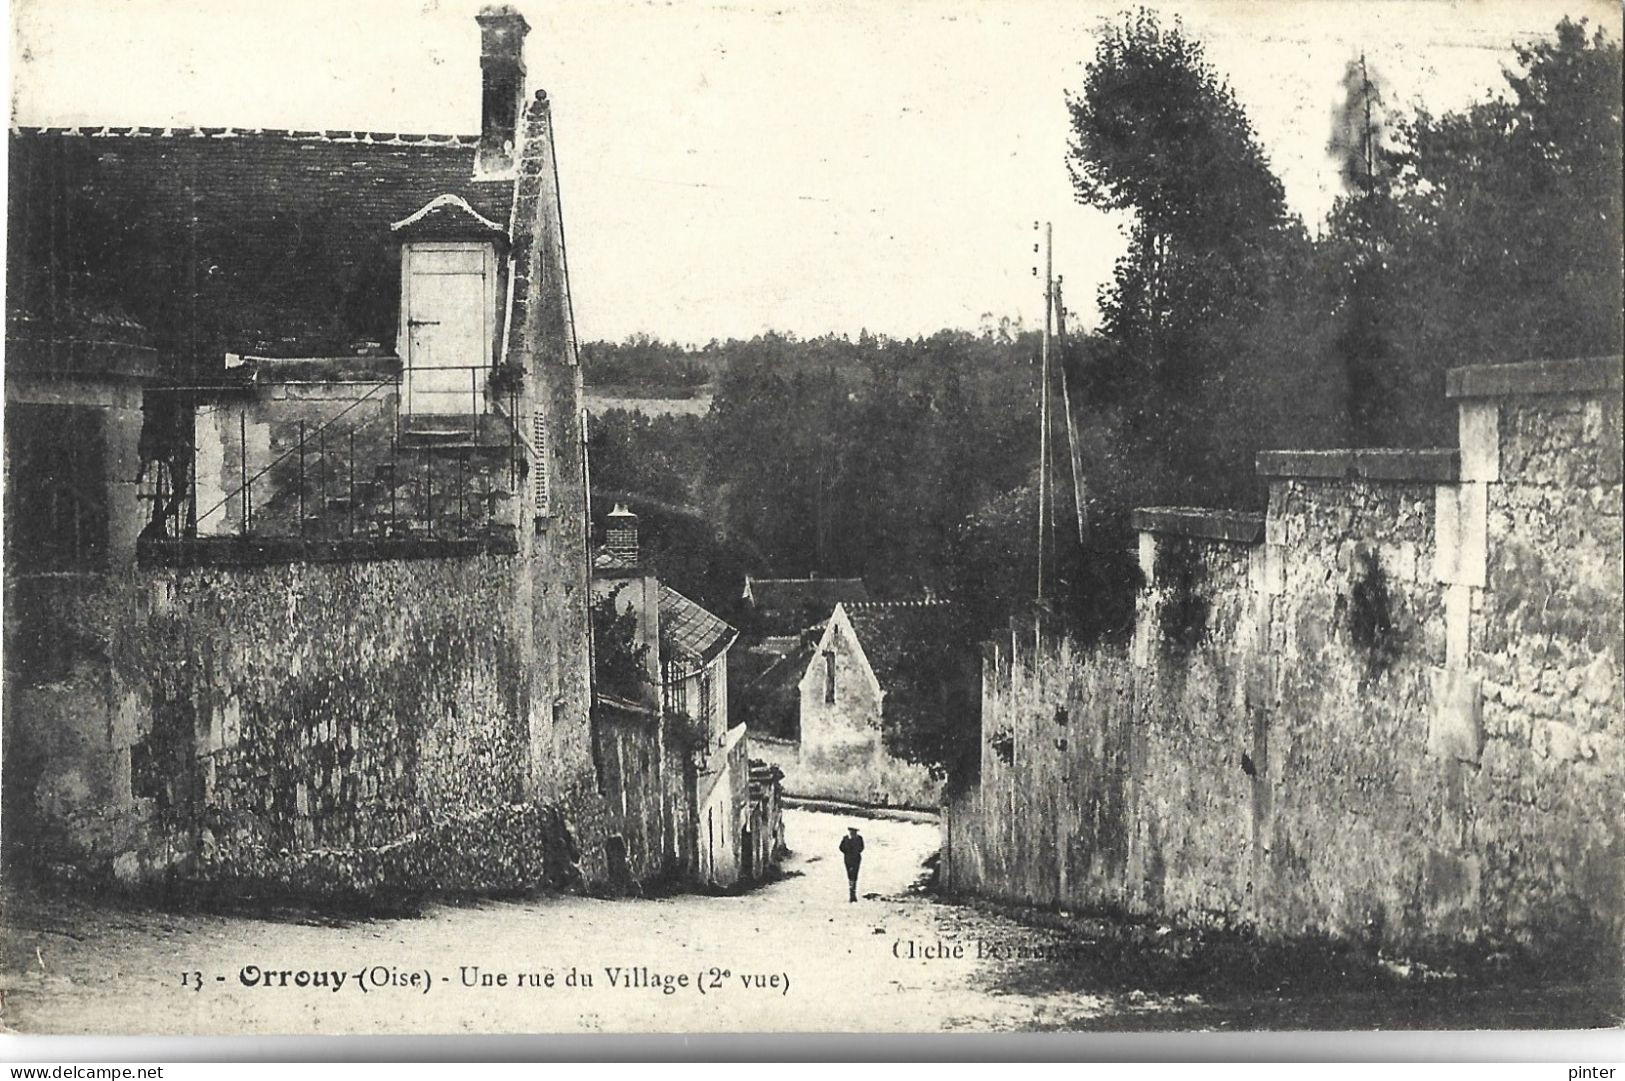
(1481, 235)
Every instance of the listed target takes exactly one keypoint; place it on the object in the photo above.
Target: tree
(1495, 238)
(1157, 134)
(1360, 290)
(619, 660)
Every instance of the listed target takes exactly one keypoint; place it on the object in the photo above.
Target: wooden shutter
(539, 473)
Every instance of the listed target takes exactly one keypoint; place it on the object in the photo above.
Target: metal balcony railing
(369, 471)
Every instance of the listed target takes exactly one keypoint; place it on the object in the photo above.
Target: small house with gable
(841, 695)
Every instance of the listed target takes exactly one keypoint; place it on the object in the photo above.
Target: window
(677, 695)
(708, 705)
(829, 675)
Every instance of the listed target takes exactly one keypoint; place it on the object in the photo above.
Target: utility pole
(1043, 404)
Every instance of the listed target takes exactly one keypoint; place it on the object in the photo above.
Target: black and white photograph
(770, 516)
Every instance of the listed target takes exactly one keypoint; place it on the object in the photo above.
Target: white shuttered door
(449, 312)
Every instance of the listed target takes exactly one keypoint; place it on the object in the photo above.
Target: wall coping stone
(1242, 527)
(255, 551)
(107, 360)
(1430, 465)
(1575, 376)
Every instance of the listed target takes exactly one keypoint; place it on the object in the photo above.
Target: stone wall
(642, 775)
(553, 514)
(1389, 709)
(347, 729)
(723, 811)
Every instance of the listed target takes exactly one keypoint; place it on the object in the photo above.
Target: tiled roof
(888, 630)
(771, 703)
(386, 138)
(227, 240)
(787, 605)
(688, 633)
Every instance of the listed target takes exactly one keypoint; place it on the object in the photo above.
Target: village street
(826, 965)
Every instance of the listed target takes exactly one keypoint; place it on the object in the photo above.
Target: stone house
(828, 700)
(681, 772)
(775, 616)
(296, 563)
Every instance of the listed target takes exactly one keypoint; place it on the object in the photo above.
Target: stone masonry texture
(1395, 719)
(337, 730)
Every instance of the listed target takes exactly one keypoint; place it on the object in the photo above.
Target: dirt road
(791, 956)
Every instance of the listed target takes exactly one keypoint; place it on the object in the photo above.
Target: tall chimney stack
(621, 535)
(502, 80)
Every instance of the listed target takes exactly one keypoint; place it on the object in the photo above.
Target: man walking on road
(852, 849)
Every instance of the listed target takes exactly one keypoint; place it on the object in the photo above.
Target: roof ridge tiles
(919, 603)
(330, 135)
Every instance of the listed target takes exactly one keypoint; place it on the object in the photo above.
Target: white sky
(729, 168)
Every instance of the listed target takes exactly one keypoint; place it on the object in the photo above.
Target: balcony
(275, 469)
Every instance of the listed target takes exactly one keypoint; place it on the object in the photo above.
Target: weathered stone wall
(723, 802)
(1390, 710)
(1546, 641)
(645, 812)
(255, 435)
(343, 717)
(349, 728)
(553, 534)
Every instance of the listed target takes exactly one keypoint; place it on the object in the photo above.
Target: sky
(729, 168)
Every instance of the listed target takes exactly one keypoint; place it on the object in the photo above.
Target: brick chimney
(502, 78)
(621, 535)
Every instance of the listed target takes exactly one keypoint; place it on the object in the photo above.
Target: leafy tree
(619, 660)
(1362, 287)
(1211, 345)
(1498, 237)
(1157, 134)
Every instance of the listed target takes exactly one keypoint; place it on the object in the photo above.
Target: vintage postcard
(921, 516)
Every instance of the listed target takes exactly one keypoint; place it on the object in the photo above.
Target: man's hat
(852, 829)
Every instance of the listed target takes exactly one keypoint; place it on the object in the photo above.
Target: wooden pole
(1043, 410)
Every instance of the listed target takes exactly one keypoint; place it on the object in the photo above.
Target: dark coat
(852, 849)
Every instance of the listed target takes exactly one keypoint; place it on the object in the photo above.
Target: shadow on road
(1191, 977)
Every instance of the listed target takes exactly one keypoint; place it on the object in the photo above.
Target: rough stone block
(1479, 430)
(1600, 683)
(1461, 534)
(1458, 622)
(1267, 570)
(1399, 561)
(1472, 562)
(1456, 718)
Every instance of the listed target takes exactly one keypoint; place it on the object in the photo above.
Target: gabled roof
(772, 701)
(688, 633)
(282, 237)
(889, 630)
(787, 605)
(786, 593)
